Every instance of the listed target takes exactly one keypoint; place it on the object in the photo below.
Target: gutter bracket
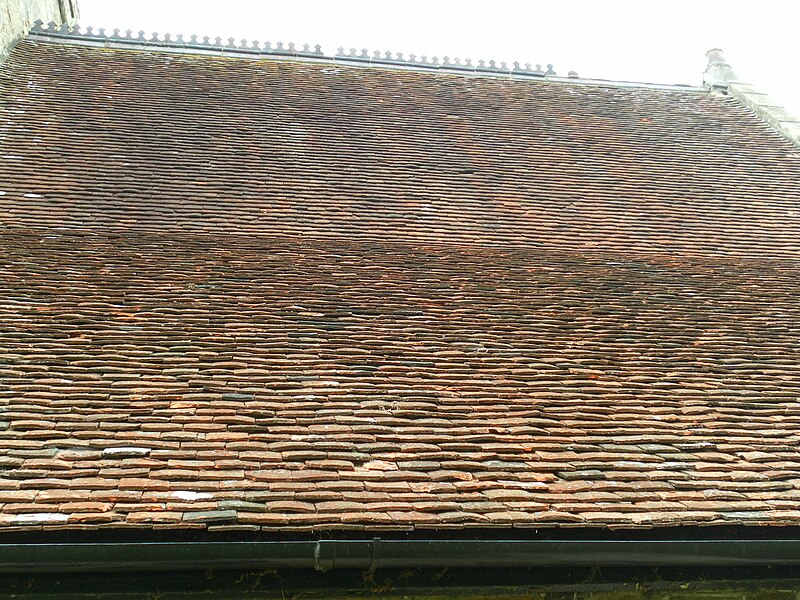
(324, 555)
(374, 562)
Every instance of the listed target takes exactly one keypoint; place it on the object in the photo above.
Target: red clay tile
(374, 316)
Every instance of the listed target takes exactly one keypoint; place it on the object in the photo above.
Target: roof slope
(263, 147)
(304, 295)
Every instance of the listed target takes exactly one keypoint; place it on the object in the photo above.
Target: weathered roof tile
(570, 306)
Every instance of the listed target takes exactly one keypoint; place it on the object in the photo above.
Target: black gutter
(324, 555)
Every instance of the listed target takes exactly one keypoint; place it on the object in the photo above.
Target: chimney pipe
(718, 73)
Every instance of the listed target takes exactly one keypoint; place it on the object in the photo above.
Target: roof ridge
(455, 64)
(206, 43)
(280, 50)
(256, 47)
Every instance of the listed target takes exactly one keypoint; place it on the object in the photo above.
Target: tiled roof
(273, 293)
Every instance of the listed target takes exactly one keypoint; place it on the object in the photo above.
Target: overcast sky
(660, 42)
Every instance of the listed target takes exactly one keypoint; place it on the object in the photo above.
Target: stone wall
(17, 16)
(720, 76)
(769, 110)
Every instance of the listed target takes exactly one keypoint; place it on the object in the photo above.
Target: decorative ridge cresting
(243, 46)
(446, 63)
(168, 41)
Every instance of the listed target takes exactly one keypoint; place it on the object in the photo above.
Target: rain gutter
(324, 555)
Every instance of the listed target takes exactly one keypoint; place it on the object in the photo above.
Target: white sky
(663, 42)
